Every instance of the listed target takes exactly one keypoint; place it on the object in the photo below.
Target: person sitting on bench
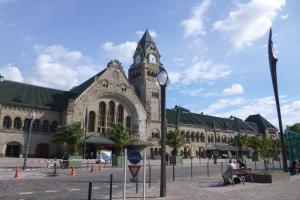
(227, 175)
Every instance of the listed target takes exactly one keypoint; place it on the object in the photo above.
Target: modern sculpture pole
(162, 79)
(273, 61)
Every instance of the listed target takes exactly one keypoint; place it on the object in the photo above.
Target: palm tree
(175, 140)
(254, 144)
(241, 142)
(120, 136)
(70, 134)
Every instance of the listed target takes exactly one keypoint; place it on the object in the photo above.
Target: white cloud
(205, 71)
(222, 104)
(58, 67)
(234, 89)
(193, 26)
(174, 77)
(11, 72)
(193, 92)
(265, 106)
(284, 16)
(249, 22)
(141, 33)
(122, 52)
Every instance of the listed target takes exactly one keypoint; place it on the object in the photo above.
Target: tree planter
(268, 177)
(178, 160)
(118, 161)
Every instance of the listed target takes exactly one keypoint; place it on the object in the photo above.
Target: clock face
(152, 59)
(137, 59)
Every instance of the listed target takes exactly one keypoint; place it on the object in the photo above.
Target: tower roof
(146, 40)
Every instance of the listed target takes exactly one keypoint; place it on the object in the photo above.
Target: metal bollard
(191, 167)
(110, 187)
(207, 170)
(273, 164)
(255, 165)
(54, 172)
(137, 184)
(222, 167)
(90, 191)
(149, 176)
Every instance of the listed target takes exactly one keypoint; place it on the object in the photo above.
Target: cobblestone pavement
(212, 188)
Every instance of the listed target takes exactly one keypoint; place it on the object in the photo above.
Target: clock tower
(142, 75)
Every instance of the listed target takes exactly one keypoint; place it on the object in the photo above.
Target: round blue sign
(134, 157)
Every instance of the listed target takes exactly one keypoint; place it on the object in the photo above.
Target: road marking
(74, 189)
(50, 191)
(25, 193)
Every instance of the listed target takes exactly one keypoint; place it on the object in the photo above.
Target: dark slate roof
(99, 140)
(261, 122)
(146, 40)
(76, 91)
(15, 93)
(179, 115)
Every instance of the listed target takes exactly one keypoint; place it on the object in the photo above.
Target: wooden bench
(242, 173)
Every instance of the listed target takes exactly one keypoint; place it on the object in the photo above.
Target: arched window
(53, 127)
(187, 135)
(111, 113)
(197, 137)
(202, 137)
(7, 122)
(36, 125)
(128, 122)
(193, 136)
(120, 115)
(211, 139)
(45, 126)
(153, 134)
(182, 134)
(91, 121)
(17, 123)
(102, 110)
(218, 140)
(26, 124)
(224, 139)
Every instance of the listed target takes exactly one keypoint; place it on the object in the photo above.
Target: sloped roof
(15, 93)
(146, 40)
(261, 122)
(179, 115)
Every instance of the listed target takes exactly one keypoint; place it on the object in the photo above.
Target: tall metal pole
(273, 61)
(85, 130)
(31, 115)
(163, 184)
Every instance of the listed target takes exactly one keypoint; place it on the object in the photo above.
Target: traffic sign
(134, 170)
(134, 157)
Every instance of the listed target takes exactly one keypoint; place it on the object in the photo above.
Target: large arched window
(17, 123)
(111, 113)
(36, 125)
(193, 137)
(91, 127)
(7, 122)
(45, 126)
(218, 139)
(26, 124)
(202, 137)
(120, 115)
(128, 122)
(188, 136)
(53, 127)
(102, 111)
(182, 134)
(224, 139)
(197, 137)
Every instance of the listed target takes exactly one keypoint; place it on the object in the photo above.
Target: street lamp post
(31, 116)
(162, 79)
(273, 61)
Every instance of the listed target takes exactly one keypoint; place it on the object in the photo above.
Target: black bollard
(222, 167)
(273, 164)
(90, 191)
(173, 170)
(255, 165)
(149, 176)
(137, 184)
(191, 167)
(207, 170)
(110, 187)
(54, 172)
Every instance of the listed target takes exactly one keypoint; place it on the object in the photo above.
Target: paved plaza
(40, 184)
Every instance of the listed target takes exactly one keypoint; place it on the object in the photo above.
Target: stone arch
(120, 114)
(17, 123)
(111, 113)
(13, 149)
(7, 122)
(218, 139)
(197, 137)
(202, 137)
(36, 125)
(91, 123)
(182, 133)
(26, 124)
(42, 150)
(45, 126)
(224, 139)
(193, 136)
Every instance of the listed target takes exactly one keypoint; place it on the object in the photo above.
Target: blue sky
(215, 51)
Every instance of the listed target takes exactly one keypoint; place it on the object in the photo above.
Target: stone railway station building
(111, 97)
